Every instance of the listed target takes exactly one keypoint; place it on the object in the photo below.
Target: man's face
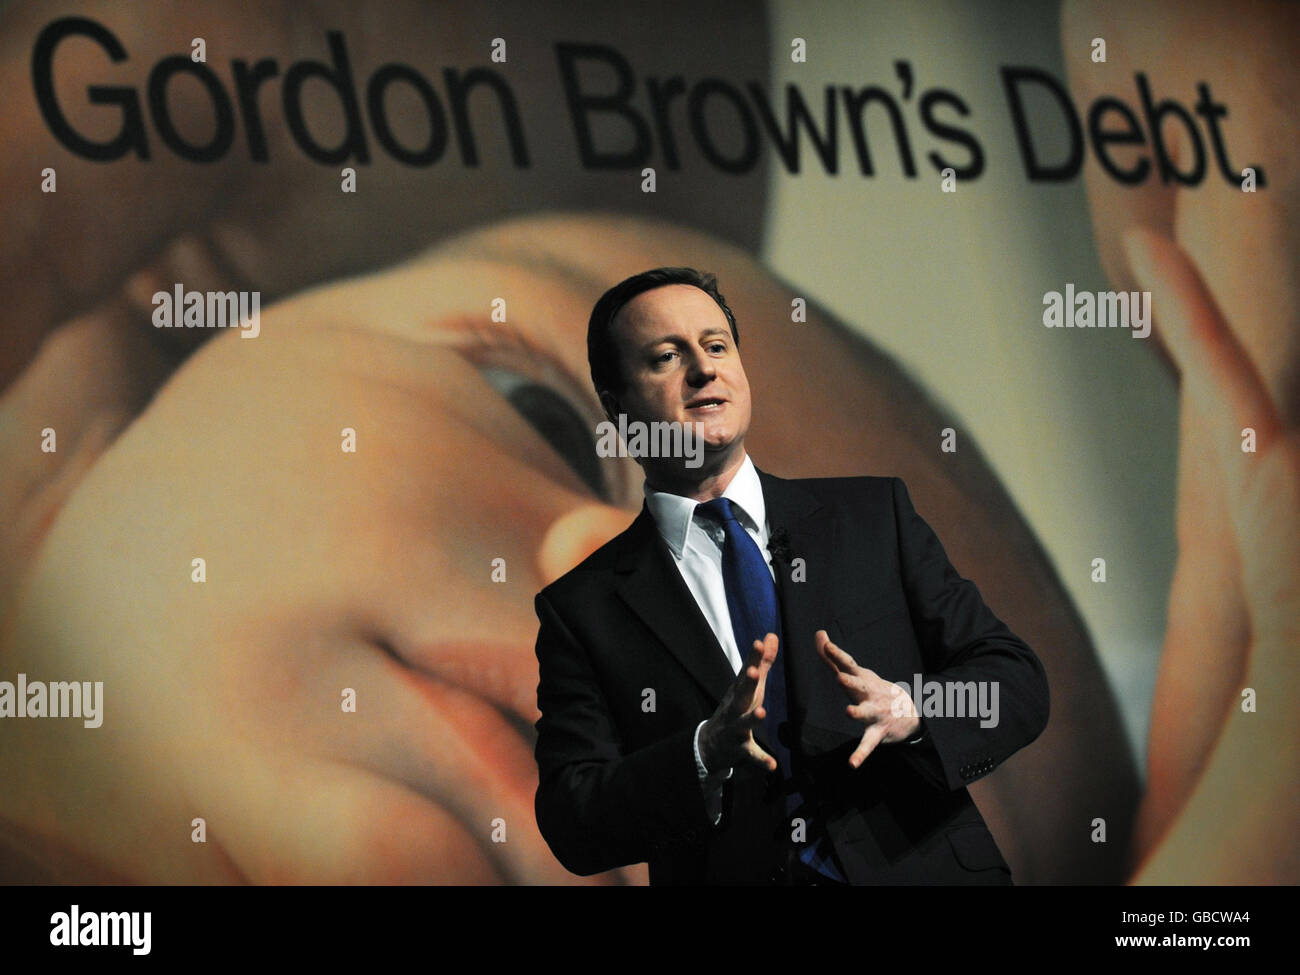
(680, 363)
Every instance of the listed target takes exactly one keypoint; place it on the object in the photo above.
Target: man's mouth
(706, 404)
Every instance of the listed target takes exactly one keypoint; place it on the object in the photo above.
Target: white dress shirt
(696, 543)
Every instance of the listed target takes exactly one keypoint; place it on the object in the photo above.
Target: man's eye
(665, 356)
(551, 415)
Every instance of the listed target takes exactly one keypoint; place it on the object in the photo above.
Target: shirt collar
(673, 513)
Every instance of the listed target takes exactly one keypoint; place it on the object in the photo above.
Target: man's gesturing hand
(727, 738)
(876, 702)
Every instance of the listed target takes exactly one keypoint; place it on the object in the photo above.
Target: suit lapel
(652, 586)
(817, 701)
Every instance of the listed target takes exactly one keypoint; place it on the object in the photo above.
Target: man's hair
(602, 351)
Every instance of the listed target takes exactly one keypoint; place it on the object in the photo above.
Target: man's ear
(610, 404)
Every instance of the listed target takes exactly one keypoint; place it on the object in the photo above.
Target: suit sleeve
(962, 641)
(597, 806)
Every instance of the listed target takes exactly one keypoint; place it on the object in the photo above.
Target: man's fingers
(870, 740)
(834, 656)
(748, 681)
(752, 680)
(862, 711)
(762, 683)
(754, 751)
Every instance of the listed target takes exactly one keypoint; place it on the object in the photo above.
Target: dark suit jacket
(629, 666)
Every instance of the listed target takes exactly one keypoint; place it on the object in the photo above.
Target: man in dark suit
(722, 685)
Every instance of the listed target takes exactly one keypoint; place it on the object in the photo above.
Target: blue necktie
(752, 605)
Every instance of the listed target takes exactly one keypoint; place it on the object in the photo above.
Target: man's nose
(702, 368)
